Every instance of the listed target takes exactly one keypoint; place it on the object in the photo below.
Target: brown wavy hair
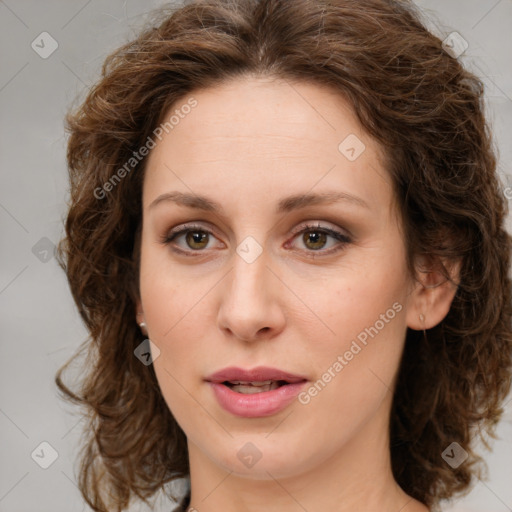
(427, 112)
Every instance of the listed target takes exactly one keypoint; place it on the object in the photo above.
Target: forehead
(259, 107)
(254, 132)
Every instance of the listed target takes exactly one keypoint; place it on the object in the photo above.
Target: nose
(250, 307)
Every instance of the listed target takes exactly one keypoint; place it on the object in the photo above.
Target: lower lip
(256, 405)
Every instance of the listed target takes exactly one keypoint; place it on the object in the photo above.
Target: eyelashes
(197, 234)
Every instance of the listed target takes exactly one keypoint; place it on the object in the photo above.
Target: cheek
(164, 294)
(362, 298)
(354, 378)
(178, 328)
(357, 356)
(178, 318)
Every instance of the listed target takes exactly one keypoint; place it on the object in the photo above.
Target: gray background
(40, 328)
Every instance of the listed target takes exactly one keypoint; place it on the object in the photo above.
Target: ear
(432, 294)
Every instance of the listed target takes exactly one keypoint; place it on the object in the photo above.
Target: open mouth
(250, 388)
(255, 398)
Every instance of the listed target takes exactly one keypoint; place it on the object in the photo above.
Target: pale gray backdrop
(40, 328)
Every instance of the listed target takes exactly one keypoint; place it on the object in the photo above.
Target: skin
(247, 144)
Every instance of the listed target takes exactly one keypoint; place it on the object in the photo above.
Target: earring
(142, 325)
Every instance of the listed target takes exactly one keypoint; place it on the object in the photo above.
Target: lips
(256, 376)
(255, 393)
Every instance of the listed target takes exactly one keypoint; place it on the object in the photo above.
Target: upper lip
(258, 374)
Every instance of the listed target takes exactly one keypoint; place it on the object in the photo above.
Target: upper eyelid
(325, 225)
(183, 228)
(180, 230)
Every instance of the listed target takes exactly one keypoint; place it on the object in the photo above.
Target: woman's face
(250, 285)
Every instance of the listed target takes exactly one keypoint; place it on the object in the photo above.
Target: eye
(315, 237)
(196, 238)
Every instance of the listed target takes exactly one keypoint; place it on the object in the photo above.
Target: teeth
(262, 383)
(252, 389)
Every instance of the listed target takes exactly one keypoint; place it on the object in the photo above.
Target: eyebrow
(287, 204)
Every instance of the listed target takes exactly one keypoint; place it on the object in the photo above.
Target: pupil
(196, 237)
(316, 238)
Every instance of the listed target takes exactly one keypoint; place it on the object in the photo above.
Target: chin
(260, 458)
